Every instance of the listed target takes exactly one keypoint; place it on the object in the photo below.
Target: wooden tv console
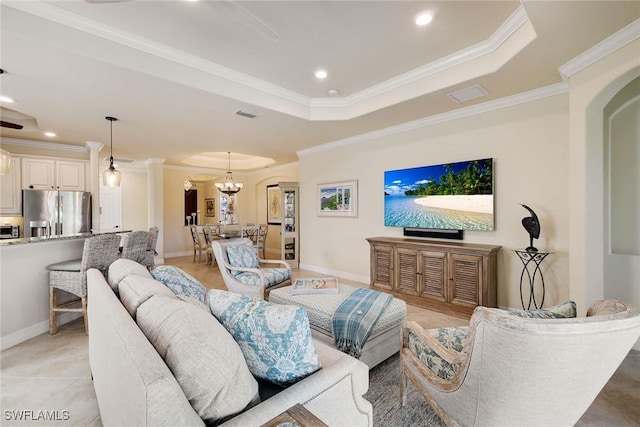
(449, 277)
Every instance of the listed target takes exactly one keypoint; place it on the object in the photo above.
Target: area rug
(384, 395)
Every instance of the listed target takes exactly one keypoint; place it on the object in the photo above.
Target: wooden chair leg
(84, 314)
(403, 387)
(53, 322)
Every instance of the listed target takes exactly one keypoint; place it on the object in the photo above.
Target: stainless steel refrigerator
(56, 213)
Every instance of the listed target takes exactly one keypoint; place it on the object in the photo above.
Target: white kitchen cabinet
(11, 190)
(46, 174)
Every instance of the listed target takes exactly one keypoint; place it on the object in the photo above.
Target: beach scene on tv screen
(452, 196)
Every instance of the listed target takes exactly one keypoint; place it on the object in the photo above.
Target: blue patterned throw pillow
(179, 282)
(275, 339)
(560, 311)
(242, 256)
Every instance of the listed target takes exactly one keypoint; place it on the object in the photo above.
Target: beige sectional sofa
(134, 386)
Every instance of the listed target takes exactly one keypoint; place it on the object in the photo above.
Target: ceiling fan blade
(10, 125)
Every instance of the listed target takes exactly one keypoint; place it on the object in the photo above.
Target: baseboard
(177, 254)
(25, 334)
(330, 272)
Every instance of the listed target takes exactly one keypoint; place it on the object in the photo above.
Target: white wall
(529, 145)
(135, 203)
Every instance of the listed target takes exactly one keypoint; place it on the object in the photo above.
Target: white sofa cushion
(275, 339)
(121, 268)
(204, 358)
(134, 290)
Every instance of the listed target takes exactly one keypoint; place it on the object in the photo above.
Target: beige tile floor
(51, 373)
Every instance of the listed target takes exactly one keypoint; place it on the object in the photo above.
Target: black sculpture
(532, 225)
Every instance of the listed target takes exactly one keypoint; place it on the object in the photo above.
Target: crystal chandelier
(229, 186)
(111, 177)
(187, 184)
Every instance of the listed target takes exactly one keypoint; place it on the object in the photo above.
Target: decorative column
(155, 214)
(93, 181)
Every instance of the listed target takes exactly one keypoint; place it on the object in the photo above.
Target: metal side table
(531, 260)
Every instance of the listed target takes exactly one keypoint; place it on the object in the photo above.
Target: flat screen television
(450, 196)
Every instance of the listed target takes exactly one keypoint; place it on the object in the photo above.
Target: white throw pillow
(203, 357)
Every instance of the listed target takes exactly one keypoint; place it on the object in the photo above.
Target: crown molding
(45, 145)
(612, 43)
(517, 19)
(242, 87)
(485, 107)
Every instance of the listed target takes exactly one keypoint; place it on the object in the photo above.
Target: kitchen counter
(22, 241)
(24, 284)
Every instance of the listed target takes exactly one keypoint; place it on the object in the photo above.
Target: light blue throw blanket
(355, 318)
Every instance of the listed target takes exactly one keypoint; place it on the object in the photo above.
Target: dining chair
(197, 243)
(262, 239)
(71, 276)
(251, 232)
(209, 236)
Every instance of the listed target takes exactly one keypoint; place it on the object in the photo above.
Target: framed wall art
(274, 205)
(338, 199)
(210, 207)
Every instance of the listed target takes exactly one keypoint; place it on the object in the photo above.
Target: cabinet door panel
(38, 174)
(407, 273)
(434, 278)
(10, 190)
(382, 267)
(465, 277)
(70, 176)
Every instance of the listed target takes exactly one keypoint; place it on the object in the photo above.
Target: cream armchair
(506, 370)
(248, 277)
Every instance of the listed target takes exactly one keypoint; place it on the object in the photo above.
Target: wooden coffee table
(296, 414)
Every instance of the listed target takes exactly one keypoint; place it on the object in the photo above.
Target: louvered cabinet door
(382, 267)
(407, 280)
(433, 275)
(465, 280)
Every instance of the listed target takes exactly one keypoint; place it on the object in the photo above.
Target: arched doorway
(621, 180)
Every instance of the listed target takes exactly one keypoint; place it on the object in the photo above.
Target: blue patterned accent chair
(244, 273)
(534, 367)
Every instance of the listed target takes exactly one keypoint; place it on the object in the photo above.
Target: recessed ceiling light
(6, 99)
(321, 74)
(423, 18)
(50, 134)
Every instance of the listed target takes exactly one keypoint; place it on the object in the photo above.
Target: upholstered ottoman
(384, 340)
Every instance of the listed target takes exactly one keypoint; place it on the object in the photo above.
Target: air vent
(468, 94)
(247, 113)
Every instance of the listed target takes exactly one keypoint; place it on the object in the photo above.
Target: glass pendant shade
(229, 186)
(187, 184)
(5, 162)
(111, 177)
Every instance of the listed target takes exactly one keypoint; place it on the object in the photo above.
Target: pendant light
(187, 184)
(111, 177)
(229, 187)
